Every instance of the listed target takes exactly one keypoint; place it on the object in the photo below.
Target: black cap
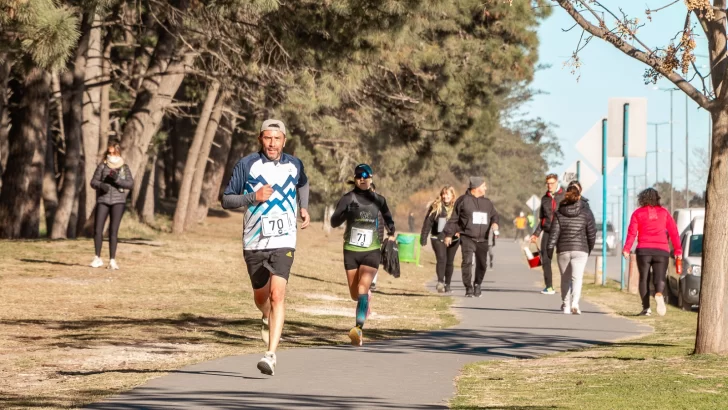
(363, 171)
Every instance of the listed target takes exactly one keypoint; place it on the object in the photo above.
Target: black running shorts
(262, 263)
(352, 260)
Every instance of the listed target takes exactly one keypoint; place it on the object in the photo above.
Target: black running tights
(659, 271)
(102, 212)
(445, 259)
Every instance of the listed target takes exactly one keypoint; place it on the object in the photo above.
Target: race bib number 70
(276, 225)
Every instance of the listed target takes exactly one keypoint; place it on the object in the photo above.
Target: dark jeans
(480, 250)
(546, 261)
(445, 258)
(102, 212)
(658, 264)
(520, 234)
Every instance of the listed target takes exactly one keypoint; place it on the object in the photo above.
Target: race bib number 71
(361, 237)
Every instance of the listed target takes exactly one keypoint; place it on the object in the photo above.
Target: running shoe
(267, 365)
(476, 291)
(566, 308)
(469, 292)
(575, 310)
(265, 331)
(373, 288)
(97, 262)
(661, 308)
(447, 289)
(646, 312)
(548, 291)
(113, 265)
(356, 336)
(440, 287)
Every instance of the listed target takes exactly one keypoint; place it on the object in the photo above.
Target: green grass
(657, 371)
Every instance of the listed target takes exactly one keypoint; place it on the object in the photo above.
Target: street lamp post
(657, 125)
(672, 151)
(687, 157)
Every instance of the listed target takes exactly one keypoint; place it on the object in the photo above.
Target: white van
(684, 217)
(684, 290)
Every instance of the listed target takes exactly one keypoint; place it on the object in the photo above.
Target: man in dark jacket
(473, 216)
(549, 205)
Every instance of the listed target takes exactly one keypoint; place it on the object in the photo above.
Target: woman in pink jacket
(652, 224)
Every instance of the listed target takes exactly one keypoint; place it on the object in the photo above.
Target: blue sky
(574, 106)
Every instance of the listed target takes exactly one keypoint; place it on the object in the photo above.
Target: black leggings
(445, 259)
(659, 270)
(102, 212)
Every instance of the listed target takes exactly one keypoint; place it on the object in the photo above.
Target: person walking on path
(649, 225)
(520, 224)
(112, 181)
(473, 216)
(269, 184)
(434, 227)
(549, 205)
(573, 234)
(359, 209)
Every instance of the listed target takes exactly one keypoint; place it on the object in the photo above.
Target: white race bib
(480, 218)
(361, 237)
(276, 225)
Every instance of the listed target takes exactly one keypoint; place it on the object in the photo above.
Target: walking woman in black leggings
(652, 224)
(112, 182)
(434, 224)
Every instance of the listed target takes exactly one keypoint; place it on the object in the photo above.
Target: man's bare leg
(277, 310)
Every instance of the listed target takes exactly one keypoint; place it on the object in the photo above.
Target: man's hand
(448, 241)
(534, 238)
(306, 218)
(263, 193)
(625, 254)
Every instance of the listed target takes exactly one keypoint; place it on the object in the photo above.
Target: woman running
(434, 224)
(360, 208)
(651, 224)
(573, 233)
(112, 182)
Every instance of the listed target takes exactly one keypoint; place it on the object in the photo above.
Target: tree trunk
(50, 187)
(193, 216)
(215, 169)
(180, 213)
(72, 87)
(104, 101)
(23, 177)
(241, 143)
(4, 117)
(91, 110)
(146, 213)
(328, 211)
(163, 78)
(712, 334)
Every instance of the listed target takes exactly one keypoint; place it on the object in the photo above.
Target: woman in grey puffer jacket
(112, 182)
(573, 234)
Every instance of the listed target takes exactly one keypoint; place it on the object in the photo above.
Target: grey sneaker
(476, 291)
(265, 331)
(646, 312)
(267, 365)
(469, 292)
(113, 265)
(440, 287)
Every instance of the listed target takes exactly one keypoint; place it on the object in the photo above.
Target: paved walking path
(512, 319)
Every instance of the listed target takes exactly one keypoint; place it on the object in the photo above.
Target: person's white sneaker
(267, 365)
(566, 308)
(97, 262)
(646, 312)
(661, 308)
(265, 331)
(113, 265)
(575, 310)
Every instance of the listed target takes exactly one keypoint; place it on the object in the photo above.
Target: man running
(268, 185)
(520, 224)
(549, 205)
(473, 216)
(359, 209)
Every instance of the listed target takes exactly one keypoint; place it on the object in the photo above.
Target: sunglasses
(363, 175)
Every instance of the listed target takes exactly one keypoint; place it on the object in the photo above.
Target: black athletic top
(360, 210)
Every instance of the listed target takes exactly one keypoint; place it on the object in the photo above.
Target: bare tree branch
(649, 59)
